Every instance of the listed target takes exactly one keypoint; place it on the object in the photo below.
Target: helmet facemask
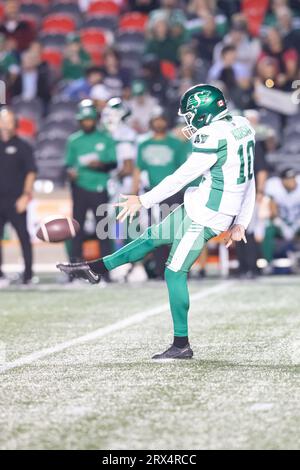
(189, 130)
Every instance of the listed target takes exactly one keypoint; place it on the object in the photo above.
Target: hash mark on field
(261, 406)
(100, 332)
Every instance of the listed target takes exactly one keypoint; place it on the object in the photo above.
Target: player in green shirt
(90, 156)
(158, 155)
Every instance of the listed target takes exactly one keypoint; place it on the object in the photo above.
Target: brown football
(56, 230)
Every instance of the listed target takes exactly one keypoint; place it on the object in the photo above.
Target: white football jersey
(223, 153)
(288, 202)
(223, 185)
(125, 138)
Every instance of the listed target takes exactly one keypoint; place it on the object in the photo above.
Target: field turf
(76, 373)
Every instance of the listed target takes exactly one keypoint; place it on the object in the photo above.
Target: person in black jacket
(34, 81)
(17, 175)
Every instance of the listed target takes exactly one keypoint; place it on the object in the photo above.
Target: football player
(223, 154)
(113, 118)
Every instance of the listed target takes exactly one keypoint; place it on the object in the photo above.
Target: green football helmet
(200, 105)
(114, 112)
(86, 110)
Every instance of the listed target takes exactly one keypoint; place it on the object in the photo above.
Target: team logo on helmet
(197, 98)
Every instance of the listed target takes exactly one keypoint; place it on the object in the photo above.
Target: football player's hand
(96, 165)
(130, 207)
(236, 234)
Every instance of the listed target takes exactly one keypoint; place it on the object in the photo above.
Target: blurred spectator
(264, 132)
(17, 175)
(247, 50)
(199, 10)
(284, 192)
(206, 40)
(20, 32)
(81, 88)
(9, 66)
(272, 17)
(291, 36)
(115, 78)
(227, 69)
(141, 106)
(76, 59)
(191, 69)
(267, 72)
(156, 83)
(161, 42)
(285, 60)
(143, 6)
(159, 156)
(230, 72)
(170, 9)
(34, 81)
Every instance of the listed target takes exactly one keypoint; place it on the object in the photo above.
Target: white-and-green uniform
(125, 139)
(223, 154)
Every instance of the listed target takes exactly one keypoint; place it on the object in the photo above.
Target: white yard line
(106, 330)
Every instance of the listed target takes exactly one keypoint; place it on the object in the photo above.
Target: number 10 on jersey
(246, 154)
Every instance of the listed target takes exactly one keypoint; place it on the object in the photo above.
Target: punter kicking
(223, 154)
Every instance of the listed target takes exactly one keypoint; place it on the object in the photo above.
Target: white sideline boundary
(106, 330)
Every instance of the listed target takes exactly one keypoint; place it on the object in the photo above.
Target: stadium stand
(135, 32)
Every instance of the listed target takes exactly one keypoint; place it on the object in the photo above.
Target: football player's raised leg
(156, 235)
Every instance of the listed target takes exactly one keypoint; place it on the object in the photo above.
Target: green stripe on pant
(179, 230)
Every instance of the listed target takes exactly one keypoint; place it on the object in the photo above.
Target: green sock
(179, 300)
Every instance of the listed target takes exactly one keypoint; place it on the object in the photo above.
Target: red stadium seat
(27, 127)
(1, 11)
(103, 8)
(133, 22)
(92, 37)
(53, 57)
(168, 69)
(43, 3)
(58, 23)
(95, 54)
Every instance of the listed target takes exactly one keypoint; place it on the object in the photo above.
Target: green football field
(76, 372)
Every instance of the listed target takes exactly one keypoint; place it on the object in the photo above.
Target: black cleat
(79, 271)
(175, 353)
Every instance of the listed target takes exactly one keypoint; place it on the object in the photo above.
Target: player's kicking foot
(79, 271)
(175, 353)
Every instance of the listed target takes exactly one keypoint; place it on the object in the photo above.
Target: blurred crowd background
(54, 54)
